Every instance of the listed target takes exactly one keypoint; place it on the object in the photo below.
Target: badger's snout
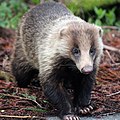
(87, 69)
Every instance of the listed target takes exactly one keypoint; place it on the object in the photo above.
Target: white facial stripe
(85, 60)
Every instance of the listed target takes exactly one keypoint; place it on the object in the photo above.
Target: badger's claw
(71, 117)
(86, 110)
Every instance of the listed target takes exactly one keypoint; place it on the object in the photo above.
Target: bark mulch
(30, 102)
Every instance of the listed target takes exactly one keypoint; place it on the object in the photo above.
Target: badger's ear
(100, 31)
(63, 31)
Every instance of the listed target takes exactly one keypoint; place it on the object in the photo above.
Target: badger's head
(82, 43)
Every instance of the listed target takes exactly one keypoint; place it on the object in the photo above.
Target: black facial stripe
(92, 51)
(76, 51)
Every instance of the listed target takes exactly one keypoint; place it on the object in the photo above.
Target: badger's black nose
(87, 69)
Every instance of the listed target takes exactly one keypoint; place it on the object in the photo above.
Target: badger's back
(41, 16)
(48, 12)
(35, 26)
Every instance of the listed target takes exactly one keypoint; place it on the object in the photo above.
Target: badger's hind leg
(23, 71)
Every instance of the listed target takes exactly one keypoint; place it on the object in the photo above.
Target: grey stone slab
(109, 117)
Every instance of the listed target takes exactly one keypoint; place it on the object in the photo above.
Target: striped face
(82, 43)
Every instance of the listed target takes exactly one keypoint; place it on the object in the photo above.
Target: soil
(30, 103)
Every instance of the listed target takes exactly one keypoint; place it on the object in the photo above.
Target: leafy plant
(104, 17)
(10, 12)
(110, 17)
(31, 97)
(74, 7)
(35, 1)
(36, 109)
(99, 12)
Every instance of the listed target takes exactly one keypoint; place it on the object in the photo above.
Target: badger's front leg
(82, 93)
(58, 97)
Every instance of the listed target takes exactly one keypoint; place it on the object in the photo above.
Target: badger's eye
(92, 51)
(76, 51)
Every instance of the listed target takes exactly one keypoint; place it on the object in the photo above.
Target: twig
(5, 108)
(8, 95)
(12, 116)
(110, 56)
(106, 114)
(116, 64)
(111, 27)
(22, 117)
(110, 65)
(111, 48)
(5, 62)
(113, 94)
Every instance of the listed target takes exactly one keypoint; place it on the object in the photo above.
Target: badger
(63, 52)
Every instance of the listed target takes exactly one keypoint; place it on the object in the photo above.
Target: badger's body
(63, 50)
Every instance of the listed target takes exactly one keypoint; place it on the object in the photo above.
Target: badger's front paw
(71, 117)
(85, 110)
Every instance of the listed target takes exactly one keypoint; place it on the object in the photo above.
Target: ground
(30, 102)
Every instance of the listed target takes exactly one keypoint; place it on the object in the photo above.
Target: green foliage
(101, 17)
(104, 17)
(31, 97)
(45, 101)
(74, 7)
(110, 17)
(36, 109)
(10, 12)
(99, 12)
(87, 5)
(117, 23)
(35, 1)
